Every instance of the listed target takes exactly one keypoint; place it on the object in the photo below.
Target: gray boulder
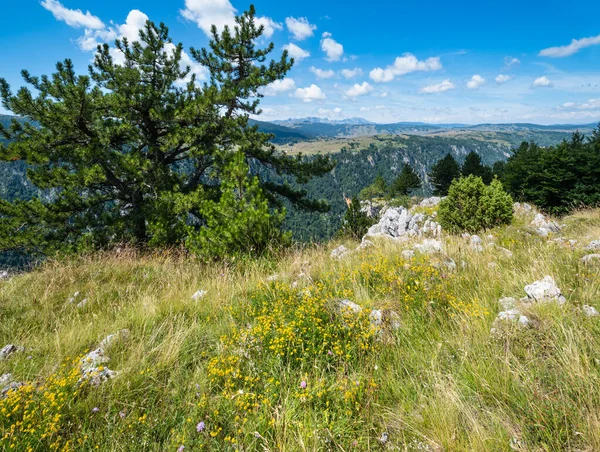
(399, 223)
(9, 350)
(544, 290)
(594, 245)
(429, 246)
(340, 252)
(590, 311)
(544, 227)
(590, 258)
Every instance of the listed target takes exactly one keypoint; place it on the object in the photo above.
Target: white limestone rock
(590, 258)
(476, 243)
(349, 306)
(199, 295)
(594, 245)
(429, 246)
(590, 311)
(340, 252)
(8, 350)
(544, 290)
(398, 223)
(545, 227)
(430, 202)
(408, 254)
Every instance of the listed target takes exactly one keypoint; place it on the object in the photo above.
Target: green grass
(236, 359)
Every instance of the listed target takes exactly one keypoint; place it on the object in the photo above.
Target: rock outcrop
(544, 227)
(92, 366)
(9, 350)
(340, 252)
(399, 223)
(594, 245)
(544, 290)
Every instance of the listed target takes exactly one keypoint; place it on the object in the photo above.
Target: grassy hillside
(266, 359)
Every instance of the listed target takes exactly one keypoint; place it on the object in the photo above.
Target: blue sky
(430, 61)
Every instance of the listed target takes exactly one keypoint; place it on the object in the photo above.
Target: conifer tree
(355, 222)
(378, 189)
(443, 173)
(137, 151)
(406, 181)
(473, 166)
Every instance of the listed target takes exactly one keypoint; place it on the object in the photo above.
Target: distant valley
(362, 150)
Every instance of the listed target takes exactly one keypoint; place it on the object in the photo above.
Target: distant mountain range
(293, 130)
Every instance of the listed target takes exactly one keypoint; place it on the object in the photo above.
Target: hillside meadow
(261, 355)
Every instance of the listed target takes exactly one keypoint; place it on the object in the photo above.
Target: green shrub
(472, 206)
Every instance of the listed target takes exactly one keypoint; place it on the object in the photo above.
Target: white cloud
(438, 87)
(322, 73)
(329, 112)
(501, 78)
(279, 86)
(310, 93)
(131, 28)
(543, 82)
(591, 104)
(206, 13)
(333, 49)
(351, 73)
(270, 26)
(295, 52)
(381, 75)
(300, 28)
(575, 46)
(209, 12)
(475, 82)
(73, 17)
(511, 61)
(359, 90)
(403, 65)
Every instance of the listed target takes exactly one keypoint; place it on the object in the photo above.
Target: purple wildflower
(200, 427)
(180, 448)
(95, 409)
(303, 384)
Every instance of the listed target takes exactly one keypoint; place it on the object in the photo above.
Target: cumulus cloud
(130, 29)
(475, 82)
(73, 17)
(296, 52)
(279, 86)
(501, 78)
(206, 13)
(359, 90)
(270, 26)
(322, 73)
(590, 104)
(403, 65)
(438, 87)
(543, 82)
(351, 73)
(300, 28)
(575, 46)
(333, 49)
(310, 93)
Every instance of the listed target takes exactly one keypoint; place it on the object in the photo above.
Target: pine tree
(378, 189)
(473, 166)
(406, 181)
(136, 151)
(443, 173)
(356, 222)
